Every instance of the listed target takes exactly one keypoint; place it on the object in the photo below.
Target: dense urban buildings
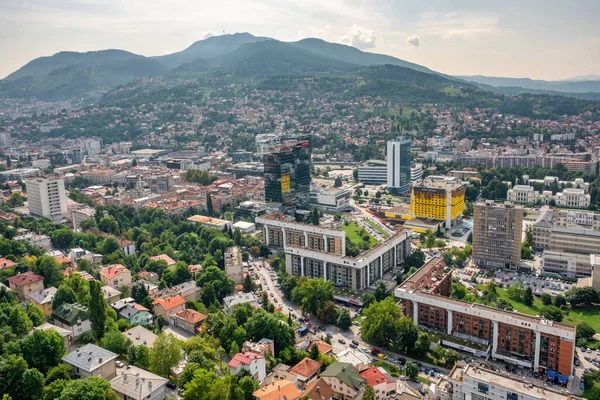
(374, 172)
(439, 198)
(47, 198)
(541, 345)
(398, 164)
(497, 233)
(320, 252)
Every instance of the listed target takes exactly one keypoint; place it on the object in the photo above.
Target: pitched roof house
(168, 306)
(253, 363)
(91, 360)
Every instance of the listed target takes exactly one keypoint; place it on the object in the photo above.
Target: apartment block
(497, 233)
(320, 252)
(521, 340)
(47, 198)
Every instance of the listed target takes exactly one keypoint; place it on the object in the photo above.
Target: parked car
(321, 328)
(342, 341)
(382, 356)
(354, 346)
(355, 342)
(171, 385)
(375, 351)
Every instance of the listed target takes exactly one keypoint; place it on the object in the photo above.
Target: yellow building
(438, 198)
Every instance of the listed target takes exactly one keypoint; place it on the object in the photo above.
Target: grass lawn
(282, 317)
(453, 91)
(352, 230)
(377, 228)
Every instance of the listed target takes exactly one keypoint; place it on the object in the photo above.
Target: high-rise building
(439, 198)
(497, 234)
(398, 164)
(47, 198)
(287, 176)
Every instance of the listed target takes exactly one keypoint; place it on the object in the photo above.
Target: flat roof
(201, 219)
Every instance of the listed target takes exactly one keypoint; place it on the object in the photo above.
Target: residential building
(170, 262)
(306, 371)
(25, 283)
(324, 347)
(240, 298)
(66, 334)
(497, 234)
(233, 264)
(216, 223)
(345, 380)
(278, 390)
(287, 176)
(5, 263)
(521, 340)
(74, 317)
(373, 172)
(320, 252)
(136, 383)
(318, 390)
(140, 336)
(136, 314)
(47, 198)
(470, 381)
(111, 294)
(398, 164)
(168, 306)
(254, 364)
(190, 291)
(91, 360)
(359, 359)
(188, 320)
(148, 276)
(263, 347)
(383, 384)
(331, 199)
(115, 275)
(43, 299)
(42, 241)
(439, 198)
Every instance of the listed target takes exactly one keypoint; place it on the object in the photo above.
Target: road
(269, 285)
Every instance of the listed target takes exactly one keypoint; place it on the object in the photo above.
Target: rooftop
(345, 372)
(113, 270)
(191, 316)
(70, 313)
(428, 276)
(375, 376)
(44, 296)
(140, 336)
(24, 278)
(278, 390)
(48, 326)
(89, 357)
(201, 219)
(244, 359)
(163, 257)
(306, 367)
(136, 383)
(169, 303)
(318, 390)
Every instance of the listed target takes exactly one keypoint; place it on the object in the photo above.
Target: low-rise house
(43, 299)
(170, 262)
(318, 390)
(115, 275)
(136, 383)
(140, 336)
(189, 290)
(66, 334)
(151, 288)
(254, 364)
(278, 373)
(136, 314)
(168, 306)
(148, 276)
(121, 304)
(91, 360)
(240, 298)
(42, 241)
(111, 294)
(74, 317)
(345, 380)
(383, 384)
(278, 390)
(25, 283)
(324, 347)
(307, 370)
(189, 320)
(5, 263)
(263, 347)
(359, 359)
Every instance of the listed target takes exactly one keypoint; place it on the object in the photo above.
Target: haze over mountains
(71, 75)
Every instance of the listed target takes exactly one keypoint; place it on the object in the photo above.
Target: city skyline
(462, 38)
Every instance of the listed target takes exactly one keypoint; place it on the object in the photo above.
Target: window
(482, 388)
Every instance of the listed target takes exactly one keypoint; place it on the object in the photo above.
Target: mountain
(353, 55)
(592, 77)
(526, 83)
(211, 47)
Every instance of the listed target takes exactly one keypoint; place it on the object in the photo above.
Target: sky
(539, 39)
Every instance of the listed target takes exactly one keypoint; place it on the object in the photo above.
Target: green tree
(47, 267)
(355, 174)
(528, 298)
(314, 216)
(458, 291)
(338, 182)
(43, 349)
(114, 341)
(209, 205)
(12, 369)
(559, 300)
(381, 292)
(249, 285)
(422, 344)
(384, 325)
(582, 296)
(411, 370)
(31, 386)
(288, 284)
(63, 295)
(264, 325)
(546, 299)
(344, 320)
(585, 331)
(62, 238)
(92, 388)
(552, 313)
(200, 386)
(219, 281)
(53, 390)
(249, 386)
(328, 312)
(237, 237)
(139, 356)
(311, 293)
(97, 309)
(416, 260)
(165, 354)
(61, 371)
(369, 393)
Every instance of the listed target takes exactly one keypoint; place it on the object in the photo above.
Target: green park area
(357, 234)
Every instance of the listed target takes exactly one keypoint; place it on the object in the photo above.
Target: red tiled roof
(373, 376)
(278, 390)
(113, 270)
(318, 390)
(165, 257)
(191, 316)
(307, 367)
(6, 263)
(24, 279)
(169, 303)
(243, 358)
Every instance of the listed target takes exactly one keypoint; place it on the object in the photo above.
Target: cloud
(413, 41)
(458, 25)
(359, 37)
(208, 34)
